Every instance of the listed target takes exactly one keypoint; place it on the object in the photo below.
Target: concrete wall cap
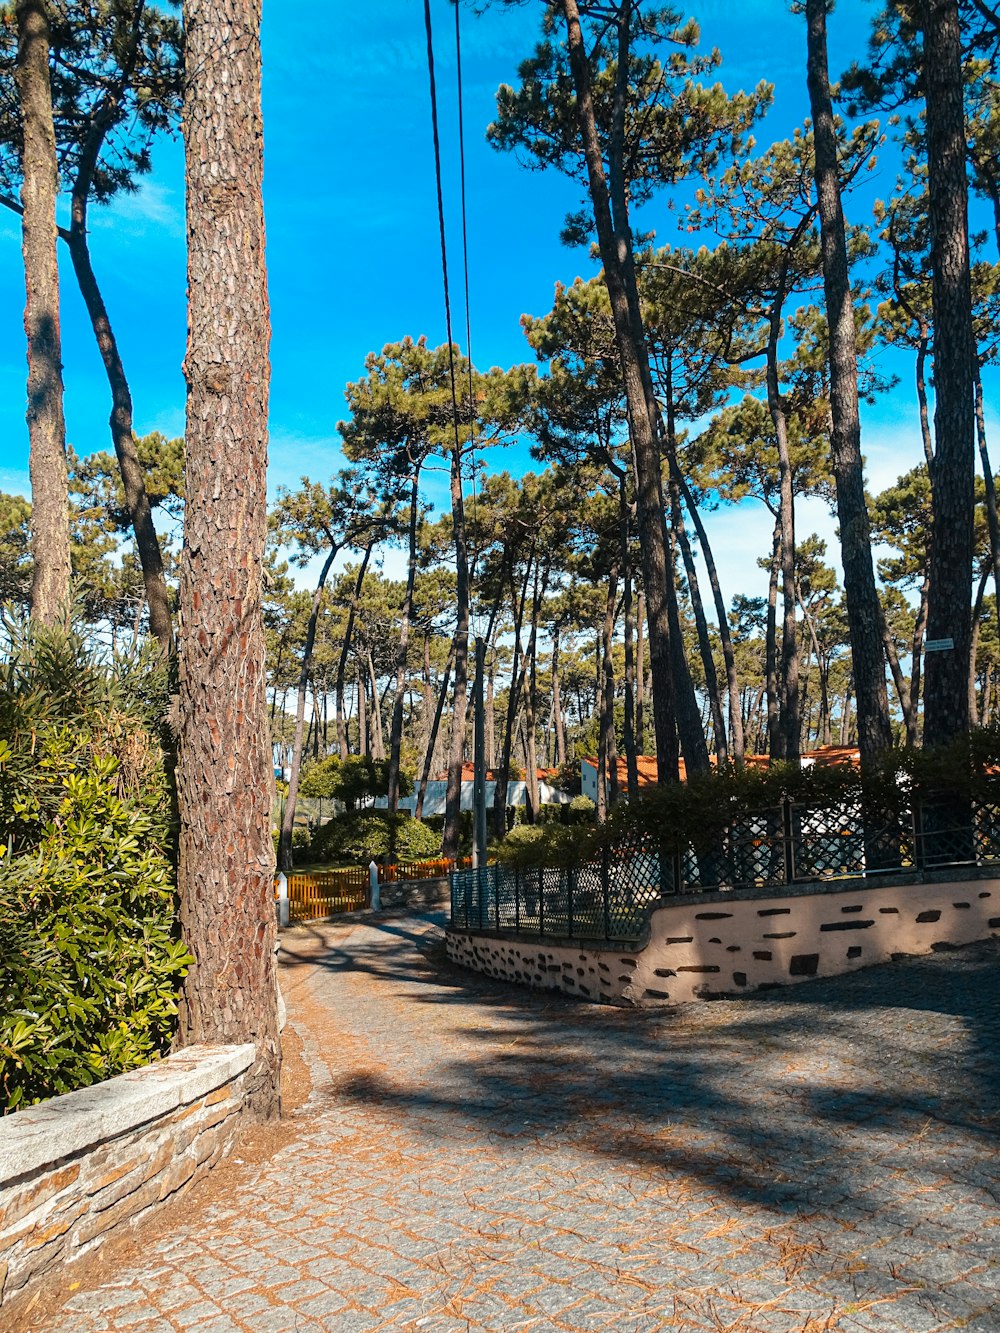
(42, 1135)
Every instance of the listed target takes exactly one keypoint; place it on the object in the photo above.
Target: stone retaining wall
(80, 1166)
(730, 943)
(416, 893)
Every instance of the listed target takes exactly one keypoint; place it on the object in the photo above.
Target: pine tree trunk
(977, 612)
(789, 722)
(640, 674)
(898, 679)
(376, 732)
(991, 492)
(460, 695)
(630, 683)
(345, 649)
(921, 383)
(418, 809)
(396, 724)
(50, 583)
(607, 693)
(701, 627)
(558, 721)
(736, 737)
(225, 776)
(298, 749)
(133, 483)
(845, 718)
(502, 775)
(771, 647)
(531, 686)
(861, 594)
(916, 660)
(364, 740)
(946, 695)
(615, 243)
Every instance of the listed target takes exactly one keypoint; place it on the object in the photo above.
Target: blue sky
(352, 231)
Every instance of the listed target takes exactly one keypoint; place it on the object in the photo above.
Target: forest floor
(462, 1154)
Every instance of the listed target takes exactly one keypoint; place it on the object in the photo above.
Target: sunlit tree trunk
(345, 648)
(615, 243)
(946, 695)
(225, 775)
(396, 723)
(46, 426)
(861, 594)
(298, 749)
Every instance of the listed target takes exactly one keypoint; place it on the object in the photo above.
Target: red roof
(827, 756)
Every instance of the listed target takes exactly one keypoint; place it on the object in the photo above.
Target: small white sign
(938, 645)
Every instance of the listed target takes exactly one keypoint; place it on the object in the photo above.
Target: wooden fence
(313, 894)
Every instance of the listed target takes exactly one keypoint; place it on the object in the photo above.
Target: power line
(444, 244)
(473, 412)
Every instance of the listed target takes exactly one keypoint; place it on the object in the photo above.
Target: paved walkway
(479, 1157)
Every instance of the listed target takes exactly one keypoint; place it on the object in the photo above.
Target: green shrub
(351, 780)
(553, 845)
(582, 810)
(372, 835)
(89, 955)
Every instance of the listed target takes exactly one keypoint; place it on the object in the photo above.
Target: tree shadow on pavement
(866, 1096)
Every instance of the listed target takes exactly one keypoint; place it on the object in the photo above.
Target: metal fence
(790, 844)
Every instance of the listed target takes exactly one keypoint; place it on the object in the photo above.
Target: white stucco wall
(724, 945)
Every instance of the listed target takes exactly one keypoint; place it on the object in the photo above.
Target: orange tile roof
(826, 755)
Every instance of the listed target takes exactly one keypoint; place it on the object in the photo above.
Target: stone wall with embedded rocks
(731, 943)
(78, 1167)
(416, 894)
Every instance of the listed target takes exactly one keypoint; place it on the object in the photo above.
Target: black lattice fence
(792, 843)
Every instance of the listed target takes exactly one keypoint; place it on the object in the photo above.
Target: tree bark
(418, 809)
(375, 730)
(558, 721)
(631, 749)
(946, 695)
(771, 647)
(460, 695)
(701, 627)
(133, 483)
(50, 582)
(916, 661)
(991, 492)
(898, 679)
(225, 775)
(396, 724)
(977, 611)
(288, 818)
(607, 759)
(615, 244)
(861, 594)
(736, 737)
(502, 774)
(345, 648)
(789, 721)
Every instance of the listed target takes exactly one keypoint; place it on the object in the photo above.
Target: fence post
(517, 903)
(786, 829)
(606, 890)
(541, 901)
(283, 905)
(376, 891)
(570, 889)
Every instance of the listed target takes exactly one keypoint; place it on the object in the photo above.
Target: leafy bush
(88, 940)
(582, 810)
(544, 845)
(356, 778)
(372, 835)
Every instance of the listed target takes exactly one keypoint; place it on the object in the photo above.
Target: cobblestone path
(474, 1156)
